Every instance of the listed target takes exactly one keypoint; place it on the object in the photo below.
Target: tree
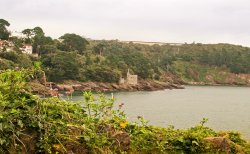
(29, 34)
(48, 49)
(21, 60)
(61, 66)
(73, 42)
(38, 31)
(99, 48)
(4, 33)
(43, 44)
(40, 42)
(102, 74)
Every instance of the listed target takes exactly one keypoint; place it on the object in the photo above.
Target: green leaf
(20, 123)
(2, 141)
(195, 142)
(180, 140)
(1, 126)
(14, 111)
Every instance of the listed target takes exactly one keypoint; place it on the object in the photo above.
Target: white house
(6, 46)
(27, 49)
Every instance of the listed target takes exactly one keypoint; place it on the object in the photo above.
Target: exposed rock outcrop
(167, 82)
(143, 85)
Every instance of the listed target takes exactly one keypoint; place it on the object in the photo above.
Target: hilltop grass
(29, 124)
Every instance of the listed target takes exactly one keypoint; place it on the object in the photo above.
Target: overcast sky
(205, 21)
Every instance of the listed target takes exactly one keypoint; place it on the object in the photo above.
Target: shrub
(29, 124)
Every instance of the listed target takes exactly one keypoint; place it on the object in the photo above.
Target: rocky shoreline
(111, 87)
(168, 82)
(143, 85)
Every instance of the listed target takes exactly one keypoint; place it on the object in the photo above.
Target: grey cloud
(207, 21)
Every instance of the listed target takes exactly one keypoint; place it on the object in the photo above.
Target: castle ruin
(130, 80)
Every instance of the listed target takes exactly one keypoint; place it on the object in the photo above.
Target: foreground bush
(29, 124)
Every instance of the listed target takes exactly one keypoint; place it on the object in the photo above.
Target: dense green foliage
(61, 66)
(4, 33)
(29, 124)
(15, 59)
(41, 43)
(72, 42)
(72, 57)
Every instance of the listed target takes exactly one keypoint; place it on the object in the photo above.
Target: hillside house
(27, 49)
(6, 45)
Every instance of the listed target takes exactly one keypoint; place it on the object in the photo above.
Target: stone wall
(132, 79)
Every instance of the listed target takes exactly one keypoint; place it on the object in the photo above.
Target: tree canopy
(73, 57)
(41, 43)
(4, 33)
(73, 42)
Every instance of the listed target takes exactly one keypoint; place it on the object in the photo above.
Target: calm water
(227, 108)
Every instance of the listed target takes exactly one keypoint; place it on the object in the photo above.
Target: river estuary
(227, 108)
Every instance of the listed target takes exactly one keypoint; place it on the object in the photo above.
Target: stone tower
(131, 79)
